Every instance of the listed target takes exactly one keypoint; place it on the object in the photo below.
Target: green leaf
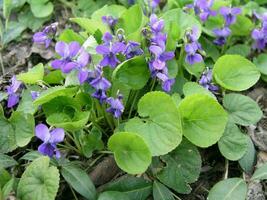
(113, 195)
(195, 69)
(133, 73)
(7, 7)
(63, 120)
(7, 136)
(13, 31)
(39, 181)
(229, 189)
(135, 188)
(31, 156)
(203, 119)
(160, 125)
(242, 27)
(182, 167)
(90, 25)
(33, 76)
(160, 192)
(4, 178)
(68, 35)
(177, 23)
(23, 125)
(233, 143)
(132, 22)
(6, 161)
(233, 72)
(108, 10)
(26, 103)
(26, 18)
(91, 142)
(194, 88)
(239, 49)
(54, 77)
(63, 104)
(242, 109)
(248, 160)
(79, 180)
(261, 63)
(9, 187)
(130, 151)
(41, 8)
(53, 92)
(209, 48)
(260, 173)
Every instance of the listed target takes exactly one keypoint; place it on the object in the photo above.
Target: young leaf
(242, 27)
(63, 120)
(34, 75)
(160, 125)
(39, 181)
(135, 188)
(229, 189)
(130, 151)
(260, 173)
(53, 92)
(203, 119)
(6, 161)
(233, 143)
(90, 25)
(160, 192)
(108, 10)
(242, 109)
(113, 195)
(239, 49)
(177, 23)
(79, 180)
(194, 88)
(133, 73)
(248, 160)
(182, 167)
(41, 8)
(132, 22)
(236, 73)
(68, 35)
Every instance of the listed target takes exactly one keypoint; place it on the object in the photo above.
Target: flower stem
(133, 103)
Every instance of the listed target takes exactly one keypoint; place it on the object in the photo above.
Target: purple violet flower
(206, 81)
(13, 98)
(116, 106)
(192, 56)
(157, 63)
(230, 14)
(101, 85)
(73, 56)
(260, 39)
(109, 51)
(35, 95)
(202, 8)
(222, 35)
(132, 49)
(154, 3)
(110, 21)
(50, 140)
(259, 35)
(46, 35)
(193, 47)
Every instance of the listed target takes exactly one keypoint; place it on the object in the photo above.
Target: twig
(226, 169)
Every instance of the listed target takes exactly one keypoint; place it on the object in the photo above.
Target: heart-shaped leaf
(203, 119)
(260, 173)
(182, 167)
(130, 151)
(229, 189)
(236, 73)
(233, 144)
(242, 109)
(39, 181)
(113, 195)
(160, 125)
